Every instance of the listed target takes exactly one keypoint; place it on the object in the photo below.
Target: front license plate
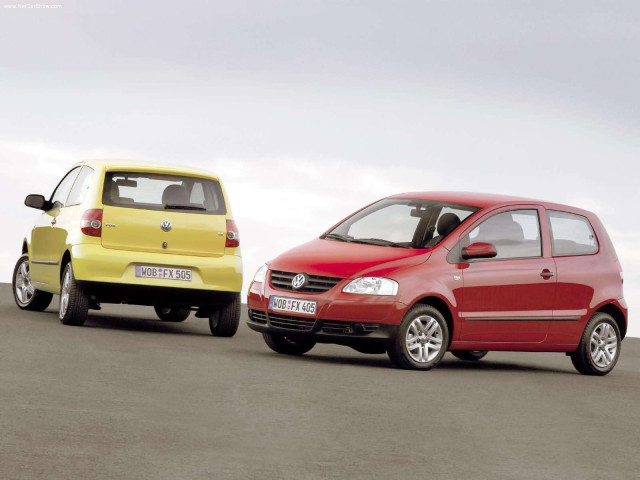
(292, 305)
(163, 273)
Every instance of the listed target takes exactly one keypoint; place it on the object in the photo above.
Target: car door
(508, 298)
(45, 236)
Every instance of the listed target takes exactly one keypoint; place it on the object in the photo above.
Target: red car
(417, 274)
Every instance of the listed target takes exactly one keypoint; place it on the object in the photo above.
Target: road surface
(127, 396)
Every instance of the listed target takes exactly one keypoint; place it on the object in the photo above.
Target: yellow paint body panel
(196, 241)
(98, 264)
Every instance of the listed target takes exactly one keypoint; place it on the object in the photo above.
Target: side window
(80, 186)
(515, 234)
(62, 190)
(571, 234)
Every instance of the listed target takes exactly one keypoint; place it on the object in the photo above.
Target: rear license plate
(292, 305)
(163, 273)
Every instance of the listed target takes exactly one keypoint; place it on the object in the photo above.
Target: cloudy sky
(310, 109)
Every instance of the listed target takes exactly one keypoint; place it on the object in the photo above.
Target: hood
(341, 259)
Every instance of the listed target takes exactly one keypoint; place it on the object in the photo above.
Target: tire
(469, 355)
(24, 293)
(74, 303)
(599, 347)
(171, 314)
(225, 321)
(422, 339)
(286, 345)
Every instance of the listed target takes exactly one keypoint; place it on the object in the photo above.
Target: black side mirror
(37, 201)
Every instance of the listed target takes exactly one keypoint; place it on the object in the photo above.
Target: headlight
(372, 286)
(261, 274)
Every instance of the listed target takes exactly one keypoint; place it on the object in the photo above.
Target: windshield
(402, 223)
(152, 191)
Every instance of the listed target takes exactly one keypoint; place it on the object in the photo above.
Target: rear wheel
(24, 293)
(469, 355)
(286, 345)
(422, 339)
(172, 314)
(74, 303)
(225, 321)
(599, 347)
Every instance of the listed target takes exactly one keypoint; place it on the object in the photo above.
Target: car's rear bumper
(94, 263)
(103, 292)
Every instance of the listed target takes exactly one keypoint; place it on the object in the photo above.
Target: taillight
(233, 236)
(91, 223)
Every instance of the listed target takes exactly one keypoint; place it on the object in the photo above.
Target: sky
(310, 110)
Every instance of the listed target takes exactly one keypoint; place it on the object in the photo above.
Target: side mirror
(479, 250)
(36, 201)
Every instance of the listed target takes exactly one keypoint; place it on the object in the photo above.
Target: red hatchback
(417, 274)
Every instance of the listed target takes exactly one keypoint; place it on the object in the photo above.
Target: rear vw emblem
(166, 226)
(299, 280)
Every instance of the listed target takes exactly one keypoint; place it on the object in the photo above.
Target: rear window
(152, 191)
(571, 234)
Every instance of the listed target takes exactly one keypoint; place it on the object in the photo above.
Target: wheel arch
(442, 305)
(617, 314)
(25, 246)
(66, 258)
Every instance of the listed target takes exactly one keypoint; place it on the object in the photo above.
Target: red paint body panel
(494, 304)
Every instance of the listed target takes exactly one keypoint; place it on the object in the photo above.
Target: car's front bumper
(94, 263)
(340, 317)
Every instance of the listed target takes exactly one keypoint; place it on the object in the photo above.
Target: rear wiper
(175, 206)
(337, 236)
(380, 241)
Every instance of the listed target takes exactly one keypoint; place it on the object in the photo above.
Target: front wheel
(168, 314)
(286, 345)
(469, 355)
(74, 303)
(24, 293)
(599, 348)
(225, 321)
(422, 339)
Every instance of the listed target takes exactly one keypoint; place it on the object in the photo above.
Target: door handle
(53, 222)
(546, 273)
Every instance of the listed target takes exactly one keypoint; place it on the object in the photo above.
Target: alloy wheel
(64, 293)
(603, 345)
(24, 290)
(424, 339)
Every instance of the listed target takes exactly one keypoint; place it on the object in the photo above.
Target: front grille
(301, 324)
(258, 317)
(330, 326)
(315, 283)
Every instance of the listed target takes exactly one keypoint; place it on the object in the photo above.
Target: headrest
(175, 195)
(501, 227)
(447, 223)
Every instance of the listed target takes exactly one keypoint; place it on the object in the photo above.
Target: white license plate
(163, 273)
(292, 305)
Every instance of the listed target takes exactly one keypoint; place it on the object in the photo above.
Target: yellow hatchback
(142, 234)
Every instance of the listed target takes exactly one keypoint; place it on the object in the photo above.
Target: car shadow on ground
(117, 322)
(382, 361)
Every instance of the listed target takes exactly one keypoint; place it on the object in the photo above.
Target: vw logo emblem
(299, 280)
(166, 226)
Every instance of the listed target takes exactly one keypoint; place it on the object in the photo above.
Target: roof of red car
(480, 200)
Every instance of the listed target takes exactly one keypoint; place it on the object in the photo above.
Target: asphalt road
(127, 396)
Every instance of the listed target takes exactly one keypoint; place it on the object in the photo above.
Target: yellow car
(142, 234)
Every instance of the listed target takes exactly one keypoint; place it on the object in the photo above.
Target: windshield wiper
(175, 206)
(379, 241)
(337, 236)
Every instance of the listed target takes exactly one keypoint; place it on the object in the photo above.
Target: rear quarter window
(151, 191)
(571, 234)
